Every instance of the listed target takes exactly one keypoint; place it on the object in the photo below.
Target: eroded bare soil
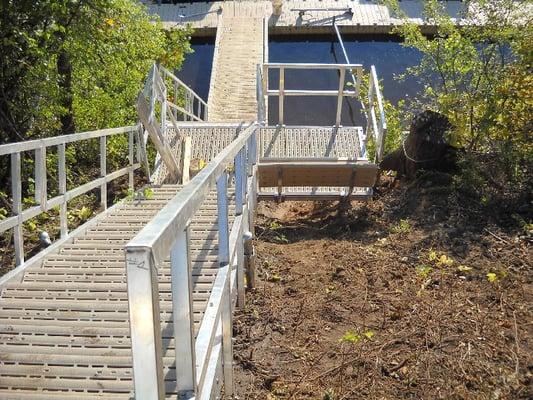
(419, 294)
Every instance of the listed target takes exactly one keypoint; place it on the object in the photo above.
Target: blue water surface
(385, 52)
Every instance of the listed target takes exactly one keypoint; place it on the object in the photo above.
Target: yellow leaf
(444, 260)
(492, 277)
(464, 268)
(369, 334)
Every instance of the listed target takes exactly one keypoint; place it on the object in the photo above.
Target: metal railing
(161, 86)
(194, 109)
(281, 92)
(155, 109)
(168, 235)
(378, 127)
(375, 127)
(43, 203)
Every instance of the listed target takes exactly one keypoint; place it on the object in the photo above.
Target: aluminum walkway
(64, 329)
(137, 303)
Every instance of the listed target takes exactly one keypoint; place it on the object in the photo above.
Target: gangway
(138, 301)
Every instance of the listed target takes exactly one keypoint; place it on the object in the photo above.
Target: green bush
(478, 74)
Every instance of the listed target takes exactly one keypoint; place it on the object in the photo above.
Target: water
(196, 69)
(384, 51)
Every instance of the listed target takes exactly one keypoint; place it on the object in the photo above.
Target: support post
(145, 324)
(281, 94)
(183, 316)
(131, 161)
(40, 177)
(239, 182)
(224, 259)
(340, 97)
(223, 220)
(249, 257)
(16, 194)
(62, 177)
(175, 111)
(240, 262)
(163, 94)
(103, 171)
(186, 159)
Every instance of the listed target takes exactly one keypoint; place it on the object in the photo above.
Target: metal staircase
(138, 301)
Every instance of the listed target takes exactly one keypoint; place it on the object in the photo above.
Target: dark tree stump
(424, 148)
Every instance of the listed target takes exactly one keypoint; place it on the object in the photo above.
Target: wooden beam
(158, 139)
(186, 159)
(333, 173)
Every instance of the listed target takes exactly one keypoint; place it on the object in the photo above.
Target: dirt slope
(420, 294)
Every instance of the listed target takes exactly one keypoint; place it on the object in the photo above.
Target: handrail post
(183, 316)
(281, 94)
(382, 129)
(369, 122)
(163, 107)
(16, 194)
(342, 73)
(103, 171)
(224, 259)
(62, 177)
(131, 161)
(175, 98)
(40, 177)
(239, 183)
(145, 324)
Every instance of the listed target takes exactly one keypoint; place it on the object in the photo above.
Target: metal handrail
(282, 92)
(378, 127)
(167, 234)
(156, 90)
(261, 102)
(44, 204)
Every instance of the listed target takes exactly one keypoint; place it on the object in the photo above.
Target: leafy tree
(76, 65)
(477, 71)
(72, 65)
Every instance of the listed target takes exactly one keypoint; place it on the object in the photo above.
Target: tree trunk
(425, 147)
(64, 69)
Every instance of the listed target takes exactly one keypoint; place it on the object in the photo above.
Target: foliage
(478, 73)
(110, 45)
(394, 118)
(354, 337)
(402, 226)
(77, 65)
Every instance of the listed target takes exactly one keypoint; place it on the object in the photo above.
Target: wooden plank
(158, 139)
(325, 173)
(186, 159)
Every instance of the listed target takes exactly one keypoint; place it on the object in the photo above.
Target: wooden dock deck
(238, 50)
(368, 16)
